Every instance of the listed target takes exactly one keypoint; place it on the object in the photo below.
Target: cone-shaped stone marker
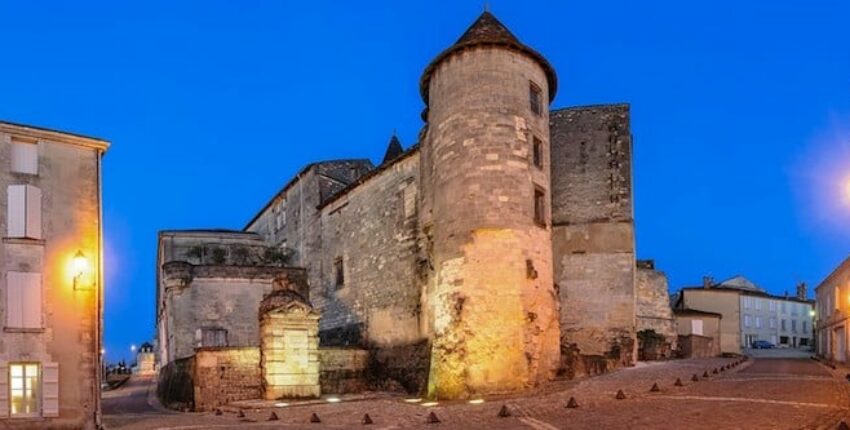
(432, 418)
(705, 374)
(621, 395)
(273, 416)
(843, 426)
(366, 420)
(714, 371)
(695, 378)
(654, 388)
(218, 412)
(240, 414)
(504, 412)
(679, 383)
(315, 418)
(572, 404)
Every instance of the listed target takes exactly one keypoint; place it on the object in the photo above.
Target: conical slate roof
(488, 31)
(394, 149)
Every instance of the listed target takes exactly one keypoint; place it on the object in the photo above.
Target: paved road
(763, 393)
(130, 398)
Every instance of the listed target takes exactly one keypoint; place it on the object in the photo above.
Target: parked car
(763, 344)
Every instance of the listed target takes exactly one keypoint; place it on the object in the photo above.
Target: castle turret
(492, 307)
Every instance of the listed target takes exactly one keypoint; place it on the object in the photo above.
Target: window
(747, 302)
(339, 273)
(213, 337)
(794, 326)
(23, 300)
(772, 306)
(23, 389)
(24, 157)
(537, 152)
(837, 298)
(747, 320)
(535, 95)
(783, 325)
(758, 322)
(805, 327)
(280, 216)
(783, 340)
(539, 206)
(794, 308)
(696, 327)
(772, 323)
(24, 211)
(758, 304)
(784, 308)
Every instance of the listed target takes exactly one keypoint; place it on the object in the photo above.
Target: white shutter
(696, 327)
(16, 219)
(33, 212)
(4, 390)
(14, 300)
(50, 390)
(31, 302)
(23, 303)
(25, 158)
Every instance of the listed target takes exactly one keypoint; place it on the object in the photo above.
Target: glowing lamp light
(476, 402)
(333, 400)
(412, 400)
(812, 313)
(81, 264)
(132, 348)
(429, 404)
(281, 405)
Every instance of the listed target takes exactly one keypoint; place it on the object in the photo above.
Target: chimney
(707, 282)
(802, 291)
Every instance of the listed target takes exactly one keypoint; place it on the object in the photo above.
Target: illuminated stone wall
(593, 237)
(224, 375)
(66, 343)
(490, 299)
(289, 332)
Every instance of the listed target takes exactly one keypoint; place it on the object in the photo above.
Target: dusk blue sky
(740, 114)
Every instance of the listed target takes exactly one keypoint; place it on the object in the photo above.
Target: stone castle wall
(224, 375)
(490, 297)
(593, 237)
(653, 311)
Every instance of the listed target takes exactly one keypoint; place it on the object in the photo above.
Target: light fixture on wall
(81, 268)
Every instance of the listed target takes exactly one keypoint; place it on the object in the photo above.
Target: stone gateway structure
(495, 254)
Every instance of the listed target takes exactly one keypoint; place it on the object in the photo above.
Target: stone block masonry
(224, 375)
(593, 237)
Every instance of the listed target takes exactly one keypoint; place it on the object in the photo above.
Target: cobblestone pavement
(758, 394)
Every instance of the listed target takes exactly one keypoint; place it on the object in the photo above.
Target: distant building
(51, 289)
(833, 308)
(751, 314)
(699, 333)
(652, 306)
(145, 360)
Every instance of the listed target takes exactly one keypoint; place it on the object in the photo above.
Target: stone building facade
(832, 298)
(51, 290)
(653, 309)
(493, 255)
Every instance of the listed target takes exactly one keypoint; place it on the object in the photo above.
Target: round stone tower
(492, 308)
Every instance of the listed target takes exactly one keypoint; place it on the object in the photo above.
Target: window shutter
(25, 158)
(696, 327)
(50, 390)
(31, 299)
(33, 219)
(16, 219)
(14, 300)
(4, 390)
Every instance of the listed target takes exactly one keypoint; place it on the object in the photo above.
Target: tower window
(535, 96)
(539, 206)
(339, 273)
(537, 152)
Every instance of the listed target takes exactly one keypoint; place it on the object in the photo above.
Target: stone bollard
(843, 426)
(695, 378)
(572, 404)
(679, 383)
(240, 414)
(504, 412)
(714, 371)
(432, 418)
(315, 418)
(366, 420)
(218, 412)
(705, 374)
(620, 395)
(654, 388)
(273, 416)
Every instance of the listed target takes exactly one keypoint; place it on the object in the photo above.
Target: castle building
(52, 285)
(493, 255)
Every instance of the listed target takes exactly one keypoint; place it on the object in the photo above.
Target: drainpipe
(99, 293)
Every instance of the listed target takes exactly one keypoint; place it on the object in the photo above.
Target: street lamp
(81, 267)
(132, 348)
